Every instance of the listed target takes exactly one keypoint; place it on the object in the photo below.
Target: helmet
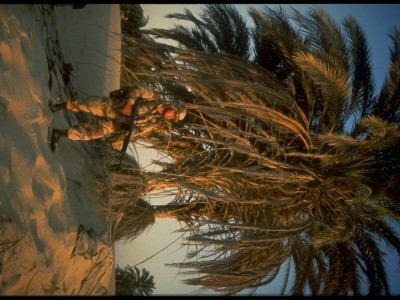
(180, 109)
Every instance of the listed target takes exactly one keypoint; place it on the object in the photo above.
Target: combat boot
(55, 136)
(58, 106)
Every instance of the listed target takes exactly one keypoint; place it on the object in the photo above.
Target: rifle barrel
(128, 137)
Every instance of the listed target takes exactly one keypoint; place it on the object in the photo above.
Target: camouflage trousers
(100, 125)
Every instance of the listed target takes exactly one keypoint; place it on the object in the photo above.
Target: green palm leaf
(262, 170)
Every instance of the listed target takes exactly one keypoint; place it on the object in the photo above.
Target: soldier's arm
(141, 90)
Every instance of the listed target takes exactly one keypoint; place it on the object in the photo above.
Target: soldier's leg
(96, 128)
(55, 136)
(98, 106)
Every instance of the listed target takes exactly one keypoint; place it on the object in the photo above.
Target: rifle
(130, 122)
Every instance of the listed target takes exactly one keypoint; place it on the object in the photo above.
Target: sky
(375, 19)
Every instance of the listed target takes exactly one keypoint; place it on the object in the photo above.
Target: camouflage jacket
(147, 119)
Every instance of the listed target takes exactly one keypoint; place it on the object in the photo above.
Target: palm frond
(261, 168)
(362, 79)
(388, 104)
(332, 82)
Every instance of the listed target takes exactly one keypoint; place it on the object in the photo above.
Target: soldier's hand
(135, 130)
(127, 109)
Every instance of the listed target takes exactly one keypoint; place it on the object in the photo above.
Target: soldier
(110, 115)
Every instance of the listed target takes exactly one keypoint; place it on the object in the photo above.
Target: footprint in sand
(48, 184)
(4, 104)
(5, 57)
(5, 52)
(5, 176)
(26, 46)
(3, 31)
(13, 31)
(44, 184)
(57, 218)
(40, 244)
(15, 27)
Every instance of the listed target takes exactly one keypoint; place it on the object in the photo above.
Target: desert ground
(55, 238)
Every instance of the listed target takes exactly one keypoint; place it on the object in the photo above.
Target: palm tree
(131, 23)
(263, 171)
(129, 281)
(132, 19)
(221, 29)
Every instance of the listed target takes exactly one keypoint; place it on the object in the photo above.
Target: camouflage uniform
(107, 109)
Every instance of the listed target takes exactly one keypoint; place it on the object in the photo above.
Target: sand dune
(48, 198)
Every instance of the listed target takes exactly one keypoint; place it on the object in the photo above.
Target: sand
(47, 197)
